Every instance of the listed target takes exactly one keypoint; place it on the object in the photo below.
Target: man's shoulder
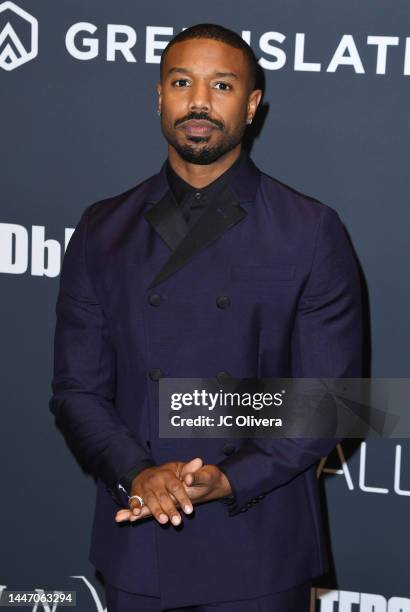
(290, 202)
(133, 197)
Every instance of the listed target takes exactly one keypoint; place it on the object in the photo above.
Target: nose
(200, 97)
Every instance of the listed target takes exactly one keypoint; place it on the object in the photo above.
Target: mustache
(199, 117)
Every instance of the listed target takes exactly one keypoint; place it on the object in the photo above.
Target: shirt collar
(180, 187)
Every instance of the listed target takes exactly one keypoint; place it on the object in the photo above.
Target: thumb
(200, 477)
(192, 466)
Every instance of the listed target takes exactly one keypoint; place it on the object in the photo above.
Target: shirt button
(197, 195)
(155, 374)
(155, 299)
(223, 301)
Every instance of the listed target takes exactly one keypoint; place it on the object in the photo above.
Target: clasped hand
(176, 484)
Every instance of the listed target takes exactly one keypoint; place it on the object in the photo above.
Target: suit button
(155, 299)
(223, 377)
(223, 301)
(155, 374)
(228, 449)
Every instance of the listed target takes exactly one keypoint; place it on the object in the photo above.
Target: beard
(202, 155)
(206, 154)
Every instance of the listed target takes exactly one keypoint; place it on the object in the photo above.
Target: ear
(253, 102)
(159, 92)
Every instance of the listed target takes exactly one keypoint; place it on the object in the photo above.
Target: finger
(155, 507)
(188, 479)
(128, 515)
(202, 477)
(123, 515)
(195, 493)
(168, 505)
(177, 492)
(145, 512)
(135, 507)
(191, 466)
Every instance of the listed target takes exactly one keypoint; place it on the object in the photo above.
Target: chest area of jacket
(227, 287)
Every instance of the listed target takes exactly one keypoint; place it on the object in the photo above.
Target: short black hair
(216, 32)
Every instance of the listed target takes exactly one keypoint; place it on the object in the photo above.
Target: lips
(198, 128)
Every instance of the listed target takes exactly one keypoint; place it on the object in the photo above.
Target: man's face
(205, 99)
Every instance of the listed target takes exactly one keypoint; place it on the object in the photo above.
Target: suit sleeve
(84, 377)
(326, 342)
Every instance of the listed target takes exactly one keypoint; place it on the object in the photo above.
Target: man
(209, 268)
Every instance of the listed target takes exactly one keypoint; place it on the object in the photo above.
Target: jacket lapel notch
(167, 220)
(213, 223)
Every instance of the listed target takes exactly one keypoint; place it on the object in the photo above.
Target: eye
(227, 85)
(178, 81)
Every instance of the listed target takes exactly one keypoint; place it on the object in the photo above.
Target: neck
(199, 175)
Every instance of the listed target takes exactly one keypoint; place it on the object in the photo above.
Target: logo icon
(13, 52)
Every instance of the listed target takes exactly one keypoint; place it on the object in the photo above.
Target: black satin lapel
(167, 220)
(214, 221)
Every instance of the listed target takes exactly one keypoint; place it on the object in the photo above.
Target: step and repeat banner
(79, 123)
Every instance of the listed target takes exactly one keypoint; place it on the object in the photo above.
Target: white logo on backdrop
(23, 250)
(363, 483)
(13, 53)
(83, 41)
(325, 600)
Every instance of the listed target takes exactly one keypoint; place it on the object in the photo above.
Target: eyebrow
(216, 73)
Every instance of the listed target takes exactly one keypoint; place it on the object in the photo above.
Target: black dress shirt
(193, 200)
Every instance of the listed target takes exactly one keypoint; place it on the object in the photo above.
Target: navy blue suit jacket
(295, 310)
